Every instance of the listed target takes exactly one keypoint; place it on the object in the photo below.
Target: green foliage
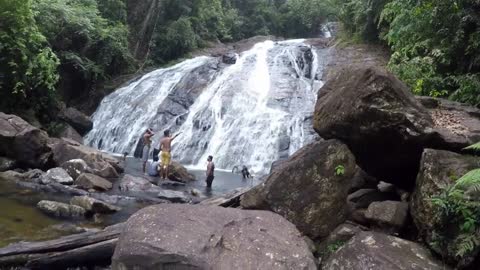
(458, 227)
(474, 147)
(28, 74)
(435, 43)
(340, 170)
(202, 21)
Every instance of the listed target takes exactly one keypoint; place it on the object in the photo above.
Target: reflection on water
(20, 221)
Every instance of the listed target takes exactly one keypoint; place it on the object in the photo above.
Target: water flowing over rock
(169, 236)
(307, 190)
(240, 113)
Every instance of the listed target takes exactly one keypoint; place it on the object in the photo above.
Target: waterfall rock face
(249, 113)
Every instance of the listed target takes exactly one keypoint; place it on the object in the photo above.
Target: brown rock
(307, 190)
(88, 181)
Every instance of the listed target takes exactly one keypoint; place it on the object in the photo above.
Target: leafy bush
(28, 74)
(435, 43)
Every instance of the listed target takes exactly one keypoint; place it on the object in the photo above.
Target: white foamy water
(250, 113)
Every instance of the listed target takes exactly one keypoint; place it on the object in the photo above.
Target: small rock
(385, 187)
(362, 198)
(195, 192)
(358, 216)
(137, 184)
(173, 196)
(57, 175)
(75, 167)
(168, 183)
(387, 214)
(7, 164)
(229, 58)
(88, 181)
(59, 209)
(93, 205)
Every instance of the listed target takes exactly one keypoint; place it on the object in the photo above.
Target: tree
(28, 67)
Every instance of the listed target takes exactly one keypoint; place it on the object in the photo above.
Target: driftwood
(73, 250)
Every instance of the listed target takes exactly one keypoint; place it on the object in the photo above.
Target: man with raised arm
(165, 154)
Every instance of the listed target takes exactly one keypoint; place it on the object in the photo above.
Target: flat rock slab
(179, 236)
(173, 196)
(59, 209)
(90, 181)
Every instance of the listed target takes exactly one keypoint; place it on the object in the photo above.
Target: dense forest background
(56, 52)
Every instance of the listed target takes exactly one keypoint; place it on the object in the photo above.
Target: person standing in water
(165, 154)
(147, 142)
(210, 171)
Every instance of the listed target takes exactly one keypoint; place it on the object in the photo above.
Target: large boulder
(58, 209)
(79, 121)
(377, 251)
(176, 172)
(439, 169)
(100, 163)
(137, 184)
(309, 189)
(92, 205)
(89, 181)
(57, 175)
(23, 142)
(70, 133)
(174, 236)
(376, 115)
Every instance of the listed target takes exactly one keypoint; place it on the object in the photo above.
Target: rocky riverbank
(359, 197)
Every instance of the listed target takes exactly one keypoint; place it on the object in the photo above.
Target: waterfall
(250, 113)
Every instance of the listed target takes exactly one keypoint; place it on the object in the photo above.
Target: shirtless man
(210, 171)
(147, 142)
(166, 148)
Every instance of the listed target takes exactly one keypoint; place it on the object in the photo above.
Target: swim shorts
(165, 158)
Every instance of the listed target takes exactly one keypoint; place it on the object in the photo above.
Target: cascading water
(250, 113)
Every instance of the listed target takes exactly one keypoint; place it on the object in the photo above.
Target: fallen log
(63, 243)
(99, 254)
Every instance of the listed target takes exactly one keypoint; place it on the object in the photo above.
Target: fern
(474, 147)
(472, 178)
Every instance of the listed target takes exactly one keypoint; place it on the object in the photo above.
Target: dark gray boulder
(78, 120)
(23, 142)
(229, 58)
(309, 189)
(382, 123)
(439, 169)
(390, 216)
(377, 251)
(175, 236)
(70, 133)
